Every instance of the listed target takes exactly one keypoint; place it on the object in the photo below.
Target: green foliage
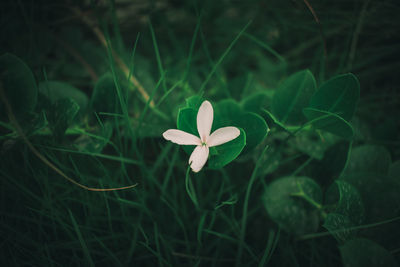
(19, 85)
(368, 171)
(62, 114)
(338, 95)
(330, 122)
(226, 113)
(104, 97)
(56, 90)
(348, 212)
(362, 252)
(293, 203)
(333, 105)
(292, 96)
(312, 179)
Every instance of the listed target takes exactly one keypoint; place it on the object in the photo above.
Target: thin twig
(14, 121)
(121, 64)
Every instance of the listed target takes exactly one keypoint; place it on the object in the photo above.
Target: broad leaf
(349, 201)
(339, 226)
(349, 210)
(368, 159)
(55, 90)
(287, 201)
(19, 85)
(312, 144)
(229, 113)
(104, 97)
(330, 122)
(61, 115)
(367, 170)
(394, 170)
(362, 252)
(256, 102)
(292, 96)
(338, 95)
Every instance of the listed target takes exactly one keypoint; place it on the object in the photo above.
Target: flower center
(203, 144)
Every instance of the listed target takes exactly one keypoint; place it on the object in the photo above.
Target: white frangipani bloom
(205, 117)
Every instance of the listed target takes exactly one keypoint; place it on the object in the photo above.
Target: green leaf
(312, 143)
(256, 102)
(274, 157)
(338, 225)
(95, 141)
(349, 203)
(362, 252)
(19, 85)
(61, 115)
(229, 113)
(394, 170)
(338, 95)
(293, 202)
(368, 170)
(55, 90)
(330, 122)
(333, 163)
(104, 97)
(349, 210)
(227, 152)
(292, 96)
(368, 159)
(272, 120)
(194, 102)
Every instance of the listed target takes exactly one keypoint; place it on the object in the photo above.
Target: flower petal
(198, 158)
(205, 118)
(223, 135)
(181, 138)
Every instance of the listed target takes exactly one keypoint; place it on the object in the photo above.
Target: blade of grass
(85, 249)
(242, 233)
(158, 57)
(216, 65)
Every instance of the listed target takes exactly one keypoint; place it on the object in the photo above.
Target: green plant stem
(245, 207)
(190, 189)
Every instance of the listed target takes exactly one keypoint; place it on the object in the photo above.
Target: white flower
(205, 117)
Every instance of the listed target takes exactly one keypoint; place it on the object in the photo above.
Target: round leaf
(338, 225)
(349, 201)
(287, 201)
(104, 97)
(362, 252)
(338, 95)
(292, 96)
(229, 113)
(330, 122)
(368, 159)
(55, 90)
(19, 84)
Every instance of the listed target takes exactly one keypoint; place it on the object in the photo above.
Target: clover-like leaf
(55, 90)
(291, 203)
(330, 122)
(19, 85)
(292, 96)
(363, 252)
(338, 95)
